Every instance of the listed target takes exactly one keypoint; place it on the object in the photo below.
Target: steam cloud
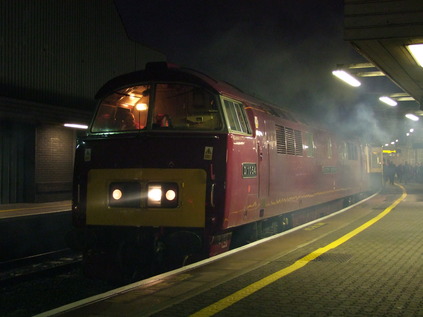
(280, 51)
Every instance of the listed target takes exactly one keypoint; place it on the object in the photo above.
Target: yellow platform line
(252, 288)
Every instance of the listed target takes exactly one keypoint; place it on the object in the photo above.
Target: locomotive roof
(162, 71)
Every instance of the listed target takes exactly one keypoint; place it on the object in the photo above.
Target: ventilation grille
(288, 141)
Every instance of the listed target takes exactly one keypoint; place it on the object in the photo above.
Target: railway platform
(31, 229)
(31, 209)
(364, 261)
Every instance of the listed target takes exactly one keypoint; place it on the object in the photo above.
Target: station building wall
(17, 153)
(36, 163)
(54, 157)
(55, 55)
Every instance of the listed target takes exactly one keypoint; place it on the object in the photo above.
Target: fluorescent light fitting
(388, 101)
(412, 117)
(76, 126)
(416, 50)
(343, 75)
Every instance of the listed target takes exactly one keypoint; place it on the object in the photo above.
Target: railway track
(36, 265)
(36, 284)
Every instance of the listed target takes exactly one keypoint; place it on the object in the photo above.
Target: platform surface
(366, 261)
(29, 209)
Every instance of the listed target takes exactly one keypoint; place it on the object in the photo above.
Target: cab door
(260, 127)
(263, 160)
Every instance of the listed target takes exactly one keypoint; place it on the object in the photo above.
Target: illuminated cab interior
(157, 106)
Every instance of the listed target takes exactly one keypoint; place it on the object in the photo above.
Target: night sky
(282, 51)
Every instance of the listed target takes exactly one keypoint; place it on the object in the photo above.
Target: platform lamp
(349, 72)
(416, 50)
(347, 78)
(76, 126)
(412, 117)
(389, 101)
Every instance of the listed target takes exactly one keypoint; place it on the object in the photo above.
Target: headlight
(162, 195)
(125, 194)
(134, 195)
(154, 195)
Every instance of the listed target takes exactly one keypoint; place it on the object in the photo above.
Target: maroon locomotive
(177, 165)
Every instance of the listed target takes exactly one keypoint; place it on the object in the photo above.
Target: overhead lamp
(416, 50)
(389, 101)
(344, 76)
(141, 106)
(76, 126)
(412, 117)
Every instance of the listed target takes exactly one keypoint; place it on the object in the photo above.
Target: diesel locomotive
(178, 166)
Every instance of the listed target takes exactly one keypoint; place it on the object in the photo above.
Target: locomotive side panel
(291, 171)
(297, 167)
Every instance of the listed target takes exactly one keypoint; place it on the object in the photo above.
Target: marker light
(343, 75)
(416, 50)
(125, 194)
(117, 194)
(170, 195)
(388, 101)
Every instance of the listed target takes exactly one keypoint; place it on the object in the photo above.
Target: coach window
(329, 148)
(309, 144)
(343, 151)
(236, 117)
(352, 153)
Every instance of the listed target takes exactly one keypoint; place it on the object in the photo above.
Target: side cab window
(236, 117)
